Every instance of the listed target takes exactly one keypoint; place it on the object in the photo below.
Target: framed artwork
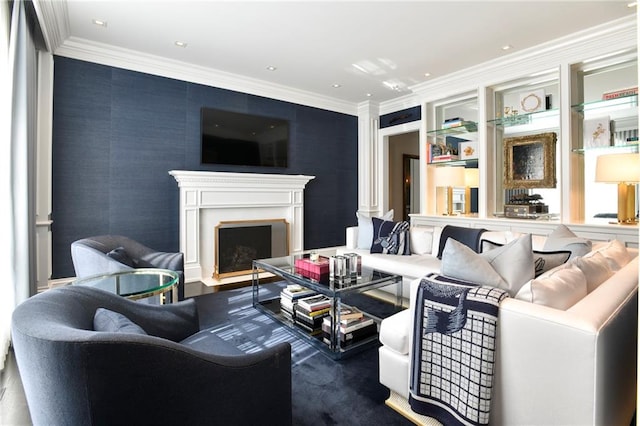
(597, 132)
(530, 161)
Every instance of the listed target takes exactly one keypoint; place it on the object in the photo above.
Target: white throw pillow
(543, 260)
(560, 290)
(421, 240)
(562, 238)
(365, 228)
(508, 267)
(616, 254)
(595, 268)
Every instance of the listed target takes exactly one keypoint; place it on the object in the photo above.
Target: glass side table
(135, 284)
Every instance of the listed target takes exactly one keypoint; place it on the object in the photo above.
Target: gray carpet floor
(324, 391)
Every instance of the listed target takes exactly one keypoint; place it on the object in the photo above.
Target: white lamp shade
(617, 168)
(449, 176)
(472, 178)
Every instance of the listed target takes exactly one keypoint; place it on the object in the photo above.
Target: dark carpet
(325, 391)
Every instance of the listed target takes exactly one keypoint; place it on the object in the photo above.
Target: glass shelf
(522, 119)
(632, 146)
(617, 103)
(473, 163)
(470, 127)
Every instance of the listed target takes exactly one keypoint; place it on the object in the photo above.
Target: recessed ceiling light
(180, 44)
(369, 95)
(271, 68)
(427, 74)
(507, 47)
(99, 22)
(336, 85)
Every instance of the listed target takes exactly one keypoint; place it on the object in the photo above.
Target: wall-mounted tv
(243, 139)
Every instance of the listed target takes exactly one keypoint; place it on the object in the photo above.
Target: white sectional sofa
(569, 366)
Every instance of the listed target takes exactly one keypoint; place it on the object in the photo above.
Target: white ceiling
(315, 44)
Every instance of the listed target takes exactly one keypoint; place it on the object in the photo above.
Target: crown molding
(104, 54)
(574, 48)
(53, 19)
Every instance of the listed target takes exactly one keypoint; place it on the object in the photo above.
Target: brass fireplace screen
(238, 243)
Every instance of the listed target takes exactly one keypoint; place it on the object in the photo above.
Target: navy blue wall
(117, 133)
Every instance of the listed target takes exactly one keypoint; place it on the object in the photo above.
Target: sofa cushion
(396, 332)
(410, 267)
(467, 236)
(114, 322)
(390, 237)
(595, 268)
(508, 267)
(560, 289)
(543, 260)
(365, 228)
(120, 254)
(421, 239)
(562, 238)
(616, 254)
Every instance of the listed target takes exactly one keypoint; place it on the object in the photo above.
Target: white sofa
(554, 367)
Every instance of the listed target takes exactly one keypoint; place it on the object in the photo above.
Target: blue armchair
(77, 376)
(114, 253)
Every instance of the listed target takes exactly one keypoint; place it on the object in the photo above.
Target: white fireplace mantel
(208, 198)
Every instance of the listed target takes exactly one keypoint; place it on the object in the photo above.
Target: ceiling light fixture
(271, 68)
(360, 68)
(369, 95)
(507, 47)
(99, 22)
(632, 4)
(181, 44)
(336, 85)
(427, 74)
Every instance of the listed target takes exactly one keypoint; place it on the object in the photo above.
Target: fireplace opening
(239, 243)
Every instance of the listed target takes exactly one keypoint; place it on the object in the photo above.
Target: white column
(369, 189)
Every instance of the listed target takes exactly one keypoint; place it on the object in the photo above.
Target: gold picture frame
(530, 161)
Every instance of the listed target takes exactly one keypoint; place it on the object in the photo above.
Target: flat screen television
(243, 139)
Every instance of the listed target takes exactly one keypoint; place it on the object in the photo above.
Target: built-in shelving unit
(558, 90)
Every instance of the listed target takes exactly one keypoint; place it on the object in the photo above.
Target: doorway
(411, 179)
(404, 174)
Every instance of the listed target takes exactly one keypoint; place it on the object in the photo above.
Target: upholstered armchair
(114, 253)
(75, 375)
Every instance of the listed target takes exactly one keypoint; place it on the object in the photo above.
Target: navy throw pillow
(119, 254)
(390, 237)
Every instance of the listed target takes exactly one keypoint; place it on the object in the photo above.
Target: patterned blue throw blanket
(454, 350)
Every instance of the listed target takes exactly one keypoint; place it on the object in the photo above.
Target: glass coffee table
(323, 328)
(135, 284)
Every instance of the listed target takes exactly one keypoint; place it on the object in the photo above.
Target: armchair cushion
(106, 320)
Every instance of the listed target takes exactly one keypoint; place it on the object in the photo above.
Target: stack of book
(309, 312)
(289, 297)
(354, 327)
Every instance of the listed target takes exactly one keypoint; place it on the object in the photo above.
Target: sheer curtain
(7, 298)
(17, 145)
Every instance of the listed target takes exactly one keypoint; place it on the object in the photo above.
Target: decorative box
(525, 210)
(468, 150)
(312, 269)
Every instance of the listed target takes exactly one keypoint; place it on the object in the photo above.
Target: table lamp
(449, 177)
(471, 180)
(623, 169)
